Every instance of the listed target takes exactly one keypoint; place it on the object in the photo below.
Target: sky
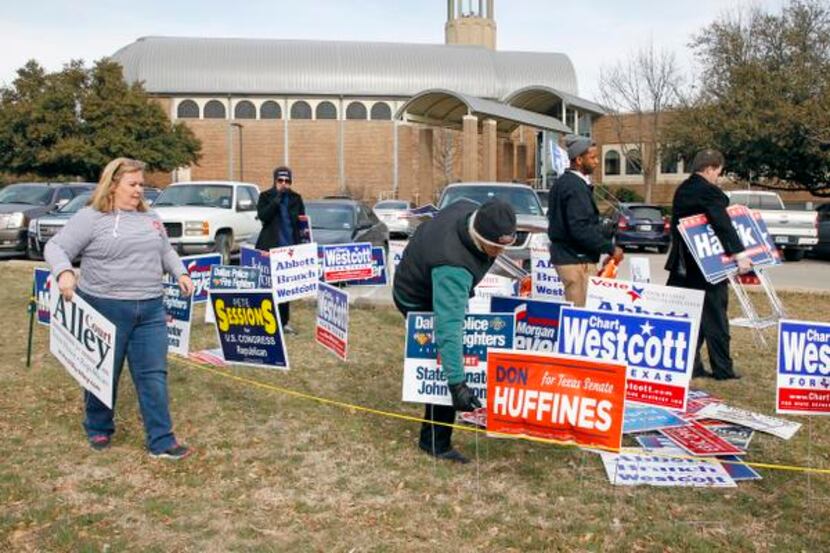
(594, 34)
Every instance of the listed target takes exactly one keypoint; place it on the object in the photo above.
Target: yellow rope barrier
(465, 428)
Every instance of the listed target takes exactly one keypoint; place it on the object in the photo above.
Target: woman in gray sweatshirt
(124, 254)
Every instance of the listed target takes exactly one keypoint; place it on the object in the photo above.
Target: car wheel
(793, 255)
(223, 246)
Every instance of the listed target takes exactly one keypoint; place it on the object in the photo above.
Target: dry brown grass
(277, 473)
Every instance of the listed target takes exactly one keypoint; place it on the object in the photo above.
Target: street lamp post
(241, 159)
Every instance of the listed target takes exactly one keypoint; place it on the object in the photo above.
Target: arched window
(356, 110)
(214, 110)
(326, 110)
(669, 163)
(633, 162)
(270, 110)
(612, 162)
(187, 109)
(300, 110)
(244, 110)
(381, 111)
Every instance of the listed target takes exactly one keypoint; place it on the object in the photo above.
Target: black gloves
(463, 398)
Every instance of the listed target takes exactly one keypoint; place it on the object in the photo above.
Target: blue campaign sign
(179, 309)
(304, 226)
(641, 418)
(231, 277)
(803, 367)
(343, 262)
(198, 267)
(249, 328)
(537, 321)
(251, 257)
(42, 284)
(332, 330)
(379, 271)
(658, 350)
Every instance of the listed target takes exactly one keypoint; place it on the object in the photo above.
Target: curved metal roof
(543, 99)
(447, 108)
(175, 65)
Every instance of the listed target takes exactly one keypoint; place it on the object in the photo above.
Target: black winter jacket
(268, 210)
(575, 232)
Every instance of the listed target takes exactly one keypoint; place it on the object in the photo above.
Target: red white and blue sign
(294, 272)
(803, 368)
(251, 257)
(379, 272)
(332, 331)
(231, 277)
(198, 267)
(642, 418)
(344, 262)
(659, 351)
(178, 309)
(537, 321)
(249, 328)
(42, 284)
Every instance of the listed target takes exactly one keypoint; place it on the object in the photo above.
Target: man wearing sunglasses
(279, 209)
(441, 265)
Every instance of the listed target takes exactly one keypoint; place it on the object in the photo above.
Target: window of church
(187, 109)
(300, 110)
(244, 110)
(612, 162)
(381, 111)
(633, 162)
(356, 110)
(214, 110)
(270, 110)
(326, 110)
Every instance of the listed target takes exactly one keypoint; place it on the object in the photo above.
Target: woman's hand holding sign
(186, 285)
(66, 284)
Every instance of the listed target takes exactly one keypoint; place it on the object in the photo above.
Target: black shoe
(450, 455)
(732, 376)
(175, 453)
(99, 442)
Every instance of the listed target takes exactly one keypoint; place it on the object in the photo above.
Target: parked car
(20, 203)
(395, 215)
(525, 202)
(151, 193)
(544, 196)
(822, 249)
(639, 225)
(343, 221)
(209, 216)
(42, 229)
(794, 232)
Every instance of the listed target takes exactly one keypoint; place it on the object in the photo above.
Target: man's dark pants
(714, 326)
(284, 310)
(434, 438)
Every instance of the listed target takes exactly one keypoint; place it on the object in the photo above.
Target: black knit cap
(496, 222)
(282, 172)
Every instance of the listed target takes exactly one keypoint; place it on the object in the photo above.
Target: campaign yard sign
(83, 341)
(249, 328)
(230, 277)
(556, 397)
(304, 226)
(608, 294)
(639, 269)
(378, 277)
(698, 440)
(198, 267)
(424, 380)
(545, 281)
(342, 262)
(259, 259)
(42, 286)
(803, 368)
(643, 418)
(396, 248)
(732, 464)
(781, 428)
(658, 350)
(491, 285)
(636, 468)
(537, 321)
(294, 272)
(179, 310)
(332, 330)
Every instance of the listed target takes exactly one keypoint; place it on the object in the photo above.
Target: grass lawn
(278, 473)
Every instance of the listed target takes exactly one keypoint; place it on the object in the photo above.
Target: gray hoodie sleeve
(70, 241)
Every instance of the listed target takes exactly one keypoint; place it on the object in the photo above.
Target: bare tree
(445, 155)
(637, 92)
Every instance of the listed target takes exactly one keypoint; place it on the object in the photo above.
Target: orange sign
(556, 397)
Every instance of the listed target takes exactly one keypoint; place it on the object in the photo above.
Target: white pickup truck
(209, 216)
(794, 232)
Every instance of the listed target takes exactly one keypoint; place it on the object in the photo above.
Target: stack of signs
(537, 321)
(396, 248)
(294, 272)
(378, 277)
(732, 464)
(344, 262)
(708, 251)
(423, 378)
(545, 281)
(647, 299)
(781, 428)
(179, 309)
(198, 267)
(696, 439)
(332, 330)
(229, 277)
(491, 285)
(803, 368)
(42, 286)
(249, 328)
(658, 350)
(556, 397)
(250, 257)
(83, 340)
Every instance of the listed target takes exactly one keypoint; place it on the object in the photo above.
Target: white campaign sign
(640, 269)
(491, 285)
(636, 468)
(545, 281)
(294, 272)
(781, 428)
(83, 341)
(396, 248)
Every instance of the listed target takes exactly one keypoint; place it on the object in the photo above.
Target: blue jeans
(141, 337)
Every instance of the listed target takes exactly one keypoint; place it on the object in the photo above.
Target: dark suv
(639, 226)
(20, 203)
